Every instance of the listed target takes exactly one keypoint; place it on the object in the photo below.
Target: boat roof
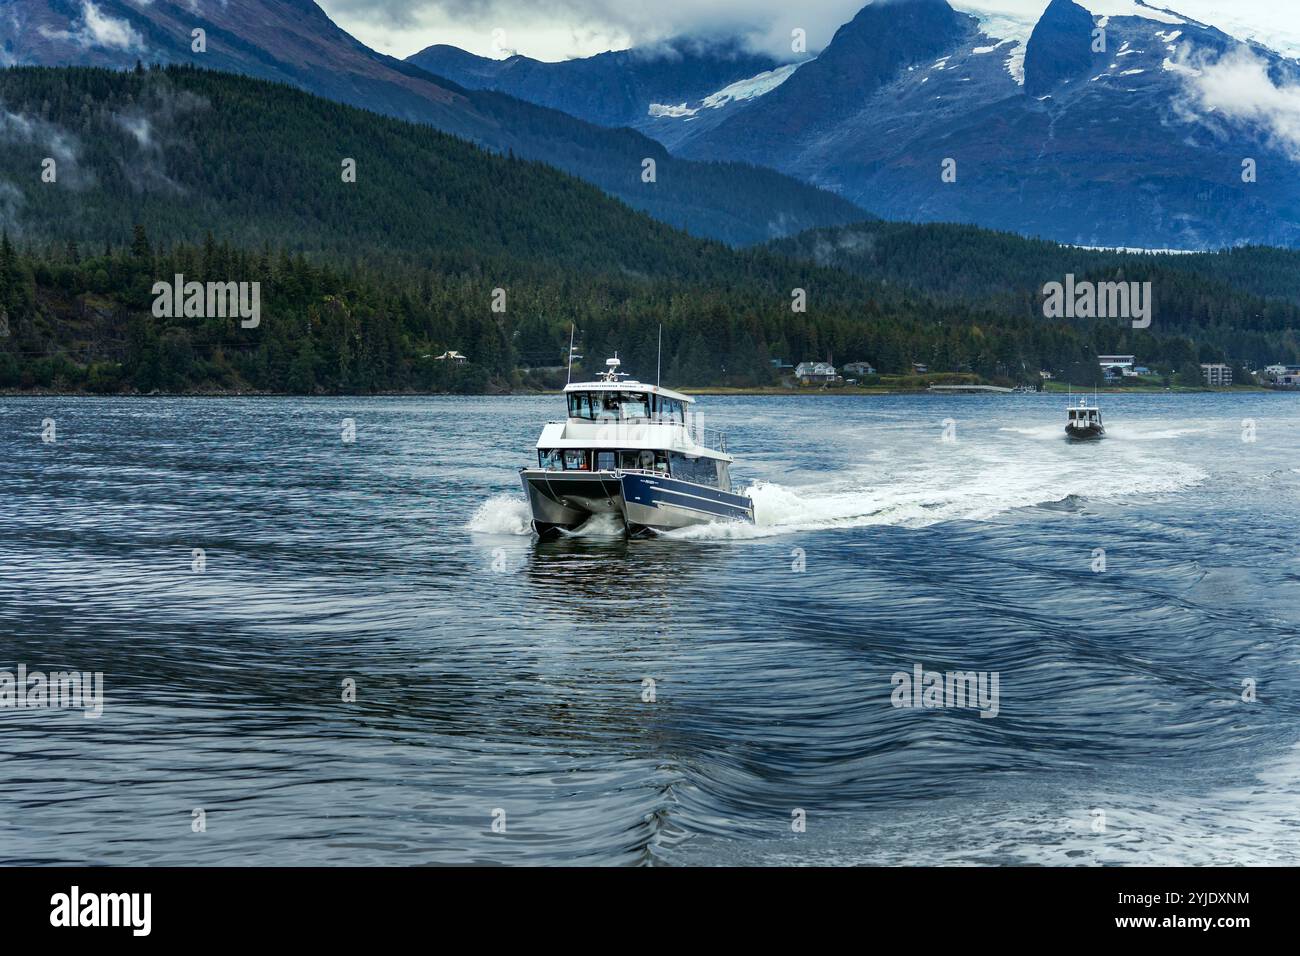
(651, 436)
(627, 385)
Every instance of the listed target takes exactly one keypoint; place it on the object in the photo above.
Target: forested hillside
(967, 262)
(1238, 303)
(440, 246)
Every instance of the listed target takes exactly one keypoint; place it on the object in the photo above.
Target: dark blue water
(496, 674)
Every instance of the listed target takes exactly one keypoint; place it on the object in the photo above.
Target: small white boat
(633, 451)
(1083, 421)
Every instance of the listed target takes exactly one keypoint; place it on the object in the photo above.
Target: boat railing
(714, 438)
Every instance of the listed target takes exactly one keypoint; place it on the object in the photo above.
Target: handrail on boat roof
(627, 385)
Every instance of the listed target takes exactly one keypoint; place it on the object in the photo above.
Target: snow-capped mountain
(1101, 122)
(1132, 127)
(614, 89)
(669, 92)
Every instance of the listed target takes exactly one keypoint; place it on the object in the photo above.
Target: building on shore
(1217, 374)
(1115, 367)
(859, 368)
(815, 373)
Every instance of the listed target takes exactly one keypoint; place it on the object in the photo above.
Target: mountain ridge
(295, 42)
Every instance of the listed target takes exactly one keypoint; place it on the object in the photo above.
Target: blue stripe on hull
(673, 492)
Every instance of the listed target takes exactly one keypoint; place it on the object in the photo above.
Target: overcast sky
(559, 29)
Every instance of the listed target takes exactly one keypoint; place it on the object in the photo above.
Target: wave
(509, 515)
(1129, 431)
(921, 500)
(501, 514)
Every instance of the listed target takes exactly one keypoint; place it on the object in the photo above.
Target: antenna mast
(659, 362)
(572, 328)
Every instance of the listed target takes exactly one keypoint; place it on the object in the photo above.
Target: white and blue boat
(633, 451)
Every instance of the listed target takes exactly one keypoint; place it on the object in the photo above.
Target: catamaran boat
(1083, 421)
(632, 451)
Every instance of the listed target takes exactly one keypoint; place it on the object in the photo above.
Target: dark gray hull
(1088, 433)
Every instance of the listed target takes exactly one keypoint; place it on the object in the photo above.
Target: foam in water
(508, 515)
(501, 514)
(598, 526)
(920, 499)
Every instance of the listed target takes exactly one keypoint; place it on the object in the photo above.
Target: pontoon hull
(562, 501)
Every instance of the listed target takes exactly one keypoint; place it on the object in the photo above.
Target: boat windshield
(612, 406)
(609, 406)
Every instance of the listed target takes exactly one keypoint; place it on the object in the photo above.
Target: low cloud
(152, 127)
(54, 142)
(11, 203)
(98, 29)
(1239, 87)
(46, 141)
(553, 29)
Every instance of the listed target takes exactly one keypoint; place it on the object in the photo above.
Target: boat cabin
(1083, 417)
(652, 433)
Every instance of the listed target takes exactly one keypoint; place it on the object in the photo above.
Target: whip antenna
(659, 362)
(569, 378)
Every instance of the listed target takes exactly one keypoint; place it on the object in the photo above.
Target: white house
(809, 372)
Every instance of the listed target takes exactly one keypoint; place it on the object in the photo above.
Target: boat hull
(1086, 433)
(660, 503)
(563, 501)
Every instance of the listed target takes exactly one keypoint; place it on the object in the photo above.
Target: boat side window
(629, 460)
(671, 410)
(575, 459)
(580, 405)
(702, 471)
(549, 459)
(604, 461)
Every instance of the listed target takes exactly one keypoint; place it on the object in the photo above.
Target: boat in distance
(1083, 422)
(633, 451)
